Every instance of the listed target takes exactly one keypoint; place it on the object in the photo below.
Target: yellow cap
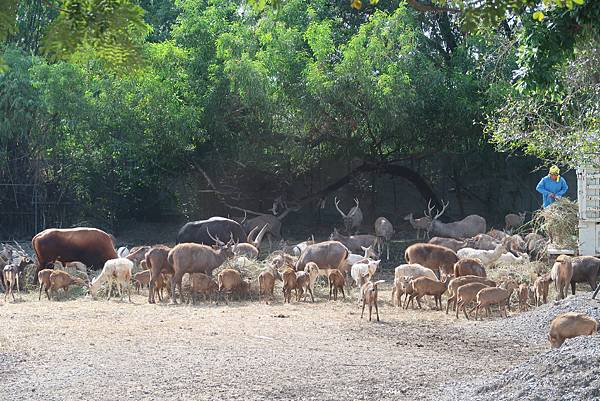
(554, 170)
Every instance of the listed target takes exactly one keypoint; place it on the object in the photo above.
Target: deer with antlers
(468, 227)
(353, 219)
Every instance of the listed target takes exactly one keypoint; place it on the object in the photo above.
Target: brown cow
(91, 246)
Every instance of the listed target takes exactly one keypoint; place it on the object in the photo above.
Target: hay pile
(559, 222)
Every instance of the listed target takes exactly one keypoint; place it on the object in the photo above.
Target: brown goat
(469, 266)
(437, 258)
(44, 280)
(523, 297)
(10, 274)
(157, 262)
(289, 284)
(540, 289)
(142, 279)
(561, 274)
(492, 296)
(60, 279)
(303, 286)
(200, 283)
(369, 290)
(459, 281)
(569, 325)
(425, 286)
(465, 294)
(336, 283)
(266, 285)
(230, 280)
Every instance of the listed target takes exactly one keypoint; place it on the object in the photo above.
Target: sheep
(523, 297)
(59, 279)
(369, 289)
(512, 220)
(486, 257)
(540, 289)
(44, 280)
(360, 271)
(303, 286)
(455, 283)
(437, 258)
(469, 266)
(569, 325)
(492, 296)
(115, 270)
(336, 283)
(230, 280)
(200, 283)
(561, 274)
(10, 274)
(425, 286)
(465, 294)
(402, 274)
(289, 283)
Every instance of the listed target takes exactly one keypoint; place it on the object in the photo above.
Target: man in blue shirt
(552, 187)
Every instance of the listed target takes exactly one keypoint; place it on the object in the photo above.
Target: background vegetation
(114, 110)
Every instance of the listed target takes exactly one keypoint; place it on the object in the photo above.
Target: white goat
(354, 258)
(363, 270)
(510, 259)
(115, 270)
(486, 257)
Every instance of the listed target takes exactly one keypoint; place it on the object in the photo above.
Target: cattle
(91, 246)
(203, 231)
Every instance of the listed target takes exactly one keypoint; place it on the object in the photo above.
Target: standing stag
(353, 219)
(383, 231)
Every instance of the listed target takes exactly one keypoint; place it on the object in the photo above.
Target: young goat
(63, 280)
(10, 273)
(117, 271)
(336, 283)
(369, 290)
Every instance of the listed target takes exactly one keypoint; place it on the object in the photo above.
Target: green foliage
(115, 30)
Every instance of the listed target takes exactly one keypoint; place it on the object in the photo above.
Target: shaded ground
(85, 349)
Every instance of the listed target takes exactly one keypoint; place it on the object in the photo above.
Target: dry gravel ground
(84, 349)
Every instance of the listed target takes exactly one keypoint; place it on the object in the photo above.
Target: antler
(444, 206)
(355, 208)
(217, 240)
(430, 208)
(337, 202)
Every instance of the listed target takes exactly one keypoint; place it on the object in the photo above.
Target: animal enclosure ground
(84, 349)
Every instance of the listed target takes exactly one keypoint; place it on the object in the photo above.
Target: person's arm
(563, 189)
(541, 188)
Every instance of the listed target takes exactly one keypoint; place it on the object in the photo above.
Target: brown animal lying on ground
(569, 325)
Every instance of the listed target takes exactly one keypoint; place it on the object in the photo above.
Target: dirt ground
(84, 349)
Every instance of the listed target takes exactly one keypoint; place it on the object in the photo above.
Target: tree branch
(431, 8)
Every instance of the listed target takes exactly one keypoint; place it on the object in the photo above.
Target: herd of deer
(454, 261)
